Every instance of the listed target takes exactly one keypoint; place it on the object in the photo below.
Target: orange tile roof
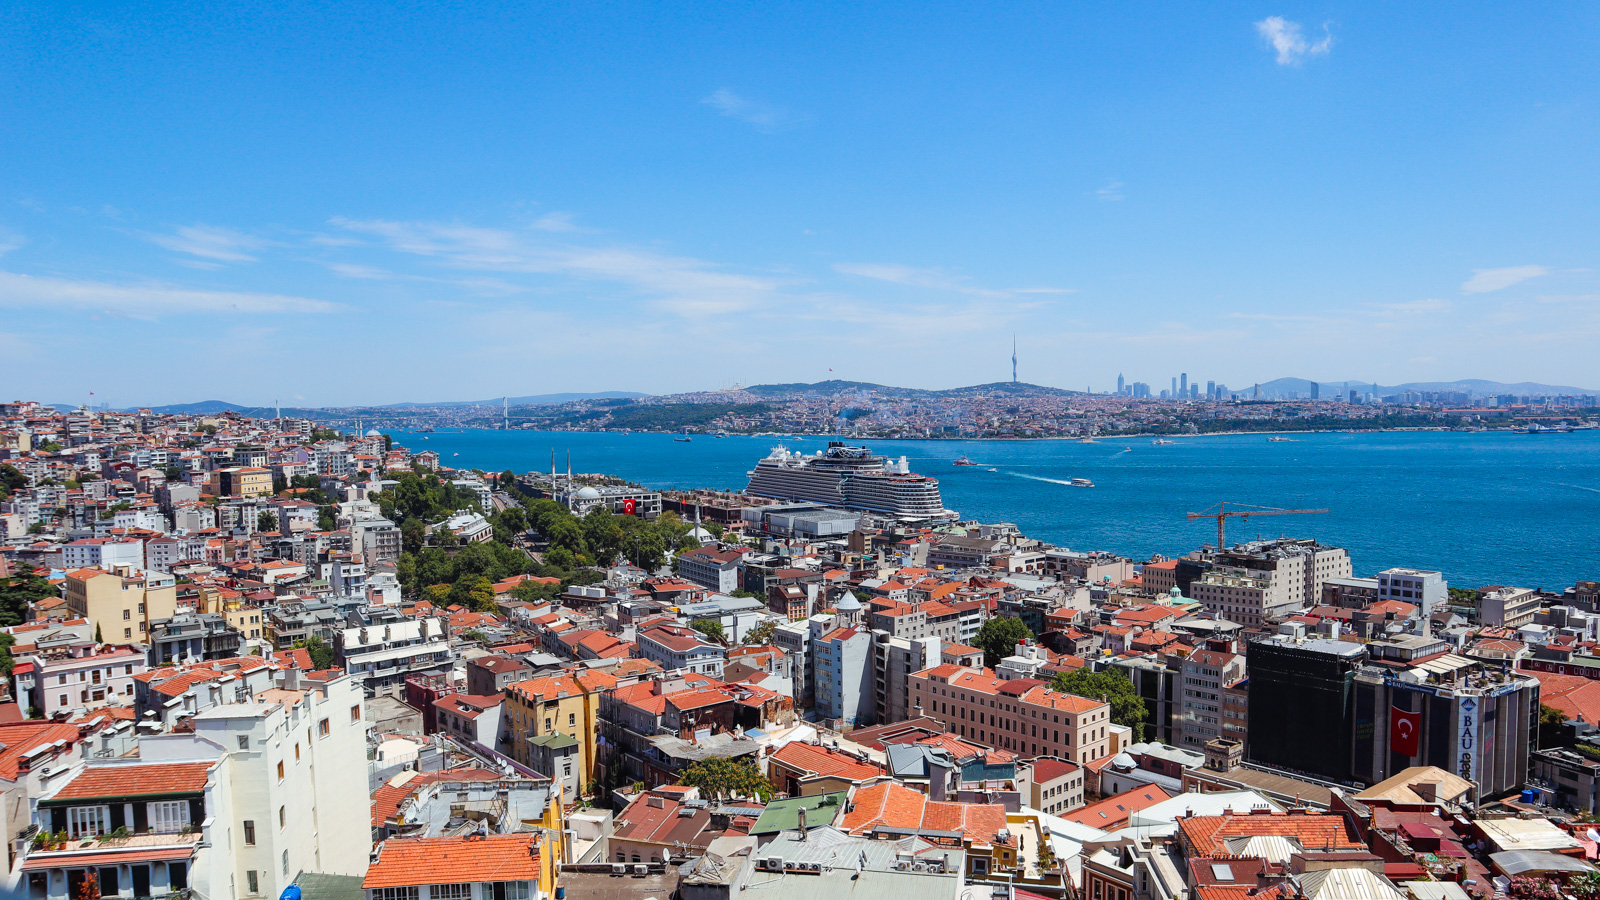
(145, 780)
(1314, 831)
(1113, 812)
(21, 738)
(403, 862)
(823, 761)
(889, 803)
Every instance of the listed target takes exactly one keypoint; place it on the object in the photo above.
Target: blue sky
(346, 202)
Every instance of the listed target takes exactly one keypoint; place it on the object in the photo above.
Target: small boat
(1087, 440)
(722, 434)
(994, 470)
(963, 461)
(1082, 482)
(1159, 441)
(1278, 439)
(455, 454)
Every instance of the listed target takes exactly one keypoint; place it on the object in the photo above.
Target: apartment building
(244, 482)
(383, 653)
(1250, 583)
(122, 604)
(1024, 717)
(1511, 607)
(104, 552)
(64, 683)
(713, 568)
(516, 866)
(680, 647)
(567, 705)
(1206, 676)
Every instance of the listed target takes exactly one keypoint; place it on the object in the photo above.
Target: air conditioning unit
(814, 867)
(619, 869)
(641, 870)
(774, 863)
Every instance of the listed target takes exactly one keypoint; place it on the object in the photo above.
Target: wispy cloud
(557, 221)
(1290, 43)
(145, 300)
(765, 117)
(935, 279)
(1484, 281)
(353, 270)
(9, 241)
(1110, 192)
(683, 285)
(210, 242)
(1412, 307)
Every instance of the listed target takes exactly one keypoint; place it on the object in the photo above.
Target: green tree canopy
(998, 638)
(711, 628)
(1127, 707)
(18, 591)
(720, 778)
(761, 634)
(321, 653)
(267, 521)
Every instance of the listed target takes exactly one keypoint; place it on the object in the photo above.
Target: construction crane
(1222, 513)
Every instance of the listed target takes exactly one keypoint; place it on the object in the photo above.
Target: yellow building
(123, 604)
(244, 481)
(557, 704)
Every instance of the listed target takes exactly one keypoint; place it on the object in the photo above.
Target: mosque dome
(586, 493)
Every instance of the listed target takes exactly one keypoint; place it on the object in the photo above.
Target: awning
(117, 857)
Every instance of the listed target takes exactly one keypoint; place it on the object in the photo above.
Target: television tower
(1013, 359)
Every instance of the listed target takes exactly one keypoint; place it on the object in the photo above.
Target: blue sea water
(1488, 508)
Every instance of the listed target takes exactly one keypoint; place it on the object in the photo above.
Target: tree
(711, 628)
(11, 480)
(998, 638)
(6, 662)
(508, 523)
(508, 480)
(267, 521)
(326, 520)
(762, 633)
(19, 592)
(413, 534)
(1127, 707)
(437, 594)
(321, 654)
(474, 592)
(720, 778)
(535, 591)
(1550, 721)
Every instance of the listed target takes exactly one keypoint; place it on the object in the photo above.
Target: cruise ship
(848, 477)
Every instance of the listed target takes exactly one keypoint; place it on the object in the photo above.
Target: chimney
(802, 823)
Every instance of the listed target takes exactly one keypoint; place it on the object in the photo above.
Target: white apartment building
(259, 793)
(105, 552)
(91, 681)
(1418, 587)
(383, 654)
(1511, 607)
(1250, 583)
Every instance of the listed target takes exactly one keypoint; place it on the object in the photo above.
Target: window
(282, 818)
(296, 751)
(168, 816)
(251, 883)
(127, 615)
(355, 713)
(250, 832)
(88, 821)
(280, 770)
(395, 893)
(244, 742)
(285, 862)
(572, 718)
(450, 891)
(322, 728)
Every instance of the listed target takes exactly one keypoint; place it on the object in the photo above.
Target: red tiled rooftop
(403, 862)
(145, 780)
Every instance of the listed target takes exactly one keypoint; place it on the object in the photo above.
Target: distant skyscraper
(1183, 385)
(1316, 391)
(1119, 382)
(1013, 359)
(1174, 387)
(1211, 390)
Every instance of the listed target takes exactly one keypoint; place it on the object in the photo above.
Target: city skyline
(1243, 189)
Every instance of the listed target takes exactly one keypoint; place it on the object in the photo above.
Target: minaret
(1013, 359)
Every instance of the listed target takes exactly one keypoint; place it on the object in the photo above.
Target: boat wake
(1040, 478)
(1579, 487)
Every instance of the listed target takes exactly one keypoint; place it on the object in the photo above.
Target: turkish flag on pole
(628, 506)
(1405, 731)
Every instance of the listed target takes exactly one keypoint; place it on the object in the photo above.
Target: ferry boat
(848, 477)
(963, 461)
(1278, 439)
(1159, 441)
(1082, 482)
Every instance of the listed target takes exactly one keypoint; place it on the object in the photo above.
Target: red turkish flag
(1405, 731)
(628, 506)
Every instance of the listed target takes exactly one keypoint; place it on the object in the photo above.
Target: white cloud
(1110, 192)
(556, 221)
(9, 241)
(763, 116)
(1484, 281)
(1290, 44)
(210, 242)
(683, 285)
(352, 270)
(935, 279)
(145, 300)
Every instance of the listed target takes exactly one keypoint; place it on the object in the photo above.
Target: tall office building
(1211, 390)
(1316, 391)
(1183, 385)
(1174, 387)
(1302, 705)
(1119, 382)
